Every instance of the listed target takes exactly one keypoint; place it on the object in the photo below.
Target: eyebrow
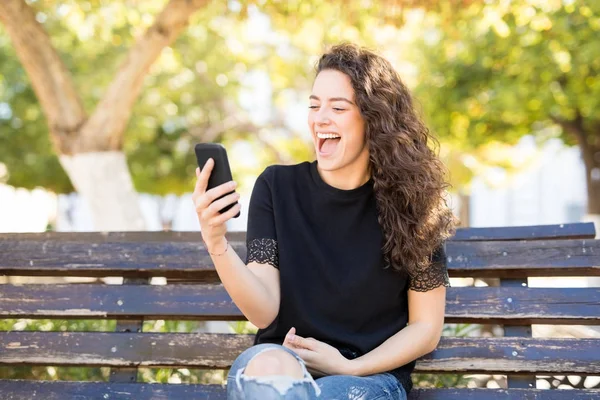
(313, 97)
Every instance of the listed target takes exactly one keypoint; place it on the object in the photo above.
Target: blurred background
(102, 102)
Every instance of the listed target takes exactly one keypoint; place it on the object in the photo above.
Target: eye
(312, 107)
(339, 109)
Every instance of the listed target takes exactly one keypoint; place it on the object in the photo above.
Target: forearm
(412, 342)
(247, 291)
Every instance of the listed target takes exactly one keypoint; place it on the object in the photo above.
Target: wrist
(353, 367)
(218, 246)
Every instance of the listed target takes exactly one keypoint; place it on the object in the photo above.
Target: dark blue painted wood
(200, 350)
(517, 381)
(512, 305)
(189, 260)
(572, 257)
(582, 230)
(57, 390)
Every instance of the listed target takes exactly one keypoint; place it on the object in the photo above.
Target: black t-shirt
(327, 244)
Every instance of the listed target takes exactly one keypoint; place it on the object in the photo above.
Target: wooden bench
(193, 293)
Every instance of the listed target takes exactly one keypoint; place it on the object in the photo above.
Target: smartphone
(221, 172)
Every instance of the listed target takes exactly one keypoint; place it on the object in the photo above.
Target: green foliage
(192, 87)
(484, 74)
(498, 71)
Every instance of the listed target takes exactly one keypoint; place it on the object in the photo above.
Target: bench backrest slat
(211, 302)
(201, 350)
(580, 230)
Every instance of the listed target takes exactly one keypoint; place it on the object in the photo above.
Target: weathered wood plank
(61, 390)
(181, 259)
(201, 350)
(456, 355)
(523, 306)
(174, 302)
(523, 259)
(498, 305)
(580, 230)
(112, 237)
(176, 259)
(502, 394)
(513, 354)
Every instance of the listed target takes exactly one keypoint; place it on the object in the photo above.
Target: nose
(322, 117)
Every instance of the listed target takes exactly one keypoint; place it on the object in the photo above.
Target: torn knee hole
(274, 362)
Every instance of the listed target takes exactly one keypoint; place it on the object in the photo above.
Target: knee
(274, 362)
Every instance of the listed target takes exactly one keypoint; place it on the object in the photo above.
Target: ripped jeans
(333, 387)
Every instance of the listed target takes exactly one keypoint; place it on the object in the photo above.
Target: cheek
(356, 133)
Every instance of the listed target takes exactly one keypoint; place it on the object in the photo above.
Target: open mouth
(327, 143)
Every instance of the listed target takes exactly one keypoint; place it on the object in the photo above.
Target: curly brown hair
(409, 178)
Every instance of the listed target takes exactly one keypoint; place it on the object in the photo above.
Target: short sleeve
(261, 237)
(434, 276)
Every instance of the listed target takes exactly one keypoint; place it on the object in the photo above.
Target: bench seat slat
(59, 390)
(454, 354)
(179, 259)
(211, 302)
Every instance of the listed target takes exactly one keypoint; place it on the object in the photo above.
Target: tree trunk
(90, 148)
(591, 159)
(105, 179)
(589, 144)
(464, 211)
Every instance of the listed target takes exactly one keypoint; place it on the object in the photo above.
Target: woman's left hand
(318, 356)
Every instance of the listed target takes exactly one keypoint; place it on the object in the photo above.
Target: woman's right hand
(212, 223)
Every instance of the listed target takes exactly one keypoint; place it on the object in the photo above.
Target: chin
(327, 164)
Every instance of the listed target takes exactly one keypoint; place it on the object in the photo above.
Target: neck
(348, 177)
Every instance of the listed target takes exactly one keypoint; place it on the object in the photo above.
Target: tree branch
(211, 133)
(49, 76)
(104, 129)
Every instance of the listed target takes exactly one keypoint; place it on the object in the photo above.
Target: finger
(289, 335)
(208, 197)
(220, 204)
(305, 354)
(291, 332)
(301, 342)
(203, 176)
(220, 190)
(226, 216)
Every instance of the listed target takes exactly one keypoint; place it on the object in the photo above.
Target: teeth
(327, 135)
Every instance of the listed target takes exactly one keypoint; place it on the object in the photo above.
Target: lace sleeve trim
(434, 276)
(263, 251)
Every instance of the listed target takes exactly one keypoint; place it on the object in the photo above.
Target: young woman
(345, 275)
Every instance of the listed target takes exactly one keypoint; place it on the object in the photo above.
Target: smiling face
(337, 127)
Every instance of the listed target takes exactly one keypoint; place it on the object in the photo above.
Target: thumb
(289, 337)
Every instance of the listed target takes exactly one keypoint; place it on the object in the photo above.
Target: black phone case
(221, 172)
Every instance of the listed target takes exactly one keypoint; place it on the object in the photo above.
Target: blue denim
(332, 387)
